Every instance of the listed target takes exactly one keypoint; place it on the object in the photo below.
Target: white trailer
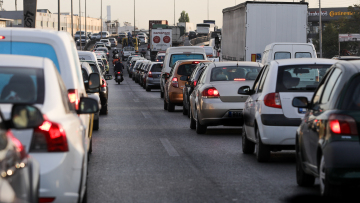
(161, 39)
(250, 26)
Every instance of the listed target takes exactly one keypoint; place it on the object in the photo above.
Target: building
(4, 22)
(49, 21)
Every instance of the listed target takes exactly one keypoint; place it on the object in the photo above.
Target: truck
(188, 26)
(160, 40)
(250, 26)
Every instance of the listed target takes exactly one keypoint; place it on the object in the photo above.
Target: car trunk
(228, 90)
(286, 99)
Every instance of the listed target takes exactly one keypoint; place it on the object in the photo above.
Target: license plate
(302, 110)
(119, 77)
(235, 114)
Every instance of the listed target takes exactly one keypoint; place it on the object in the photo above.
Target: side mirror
(94, 81)
(108, 77)
(300, 102)
(88, 106)
(25, 116)
(246, 90)
(184, 78)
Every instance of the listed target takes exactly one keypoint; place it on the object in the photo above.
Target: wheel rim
(322, 175)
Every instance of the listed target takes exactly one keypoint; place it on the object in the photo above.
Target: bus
(204, 28)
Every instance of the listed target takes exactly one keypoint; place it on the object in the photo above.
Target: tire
(248, 147)
(185, 111)
(161, 94)
(90, 148)
(192, 121)
(104, 110)
(200, 129)
(171, 107)
(165, 105)
(303, 179)
(188, 110)
(119, 83)
(148, 88)
(96, 124)
(262, 151)
(326, 189)
(129, 75)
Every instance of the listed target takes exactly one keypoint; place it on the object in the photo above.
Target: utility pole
(72, 19)
(15, 5)
(101, 21)
(86, 36)
(320, 29)
(58, 15)
(174, 12)
(134, 21)
(80, 22)
(208, 9)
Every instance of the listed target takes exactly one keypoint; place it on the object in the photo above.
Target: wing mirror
(108, 77)
(88, 106)
(25, 116)
(300, 102)
(246, 90)
(94, 81)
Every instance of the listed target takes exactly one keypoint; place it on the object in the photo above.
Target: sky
(145, 10)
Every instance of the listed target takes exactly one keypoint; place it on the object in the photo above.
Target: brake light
(2, 37)
(342, 124)
(73, 97)
(211, 92)
(150, 74)
(239, 79)
(209, 56)
(118, 72)
(195, 62)
(272, 100)
(103, 83)
(174, 82)
(50, 137)
(46, 199)
(195, 82)
(19, 147)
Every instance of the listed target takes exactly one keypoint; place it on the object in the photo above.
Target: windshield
(21, 85)
(176, 57)
(156, 67)
(234, 73)
(186, 69)
(203, 25)
(303, 78)
(352, 97)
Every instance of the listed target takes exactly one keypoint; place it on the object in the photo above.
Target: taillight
(2, 37)
(103, 83)
(195, 82)
(150, 74)
(211, 92)
(73, 97)
(195, 62)
(342, 124)
(118, 72)
(46, 199)
(239, 79)
(19, 147)
(174, 82)
(272, 100)
(49, 137)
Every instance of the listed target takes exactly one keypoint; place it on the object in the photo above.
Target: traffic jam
(90, 119)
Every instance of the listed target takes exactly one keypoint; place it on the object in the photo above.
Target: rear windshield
(300, 78)
(160, 58)
(176, 57)
(282, 55)
(352, 96)
(21, 85)
(156, 67)
(302, 55)
(186, 69)
(234, 73)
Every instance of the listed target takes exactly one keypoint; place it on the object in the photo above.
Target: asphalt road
(143, 153)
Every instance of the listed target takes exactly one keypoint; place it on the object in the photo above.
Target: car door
(195, 93)
(252, 103)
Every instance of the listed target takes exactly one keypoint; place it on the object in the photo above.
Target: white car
(270, 120)
(58, 144)
(106, 42)
(210, 52)
(102, 35)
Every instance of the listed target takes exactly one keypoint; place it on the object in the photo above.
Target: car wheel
(184, 111)
(200, 129)
(148, 88)
(161, 94)
(119, 83)
(326, 189)
(171, 107)
(262, 151)
(188, 109)
(248, 147)
(303, 179)
(192, 121)
(165, 105)
(90, 148)
(129, 75)
(104, 110)
(96, 124)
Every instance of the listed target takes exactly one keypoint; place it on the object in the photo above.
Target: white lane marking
(146, 114)
(168, 147)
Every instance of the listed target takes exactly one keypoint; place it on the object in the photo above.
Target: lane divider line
(168, 147)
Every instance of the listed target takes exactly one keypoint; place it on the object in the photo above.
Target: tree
(184, 17)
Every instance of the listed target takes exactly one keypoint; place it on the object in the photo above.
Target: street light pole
(85, 24)
(174, 12)
(134, 20)
(72, 19)
(58, 15)
(320, 29)
(80, 22)
(101, 22)
(208, 10)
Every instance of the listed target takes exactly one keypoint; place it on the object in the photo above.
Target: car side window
(202, 77)
(258, 79)
(330, 85)
(64, 97)
(263, 78)
(320, 89)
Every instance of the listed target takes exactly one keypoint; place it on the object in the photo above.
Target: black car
(192, 35)
(190, 85)
(327, 141)
(19, 180)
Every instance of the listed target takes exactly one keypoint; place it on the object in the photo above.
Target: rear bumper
(279, 120)
(153, 81)
(176, 98)
(278, 135)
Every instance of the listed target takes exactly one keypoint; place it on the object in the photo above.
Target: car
(174, 54)
(84, 41)
(86, 71)
(190, 85)
(104, 62)
(214, 100)
(77, 35)
(20, 176)
(121, 36)
(135, 68)
(93, 36)
(268, 109)
(102, 35)
(327, 140)
(152, 76)
(142, 39)
(113, 42)
(103, 49)
(132, 65)
(99, 44)
(192, 35)
(173, 93)
(106, 42)
(137, 71)
(142, 73)
(127, 51)
(58, 144)
(210, 52)
(160, 57)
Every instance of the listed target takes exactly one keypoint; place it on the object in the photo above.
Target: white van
(287, 50)
(60, 48)
(174, 54)
(87, 56)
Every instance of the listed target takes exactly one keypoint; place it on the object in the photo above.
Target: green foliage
(184, 17)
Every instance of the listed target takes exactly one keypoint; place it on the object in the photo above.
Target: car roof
(86, 66)
(237, 63)
(26, 61)
(185, 49)
(299, 61)
(269, 46)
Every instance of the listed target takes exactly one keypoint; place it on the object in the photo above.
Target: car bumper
(216, 112)
(153, 81)
(176, 98)
(278, 135)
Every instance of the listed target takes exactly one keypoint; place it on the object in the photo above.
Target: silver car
(152, 77)
(215, 99)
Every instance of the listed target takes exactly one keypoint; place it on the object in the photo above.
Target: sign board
(349, 37)
(30, 13)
